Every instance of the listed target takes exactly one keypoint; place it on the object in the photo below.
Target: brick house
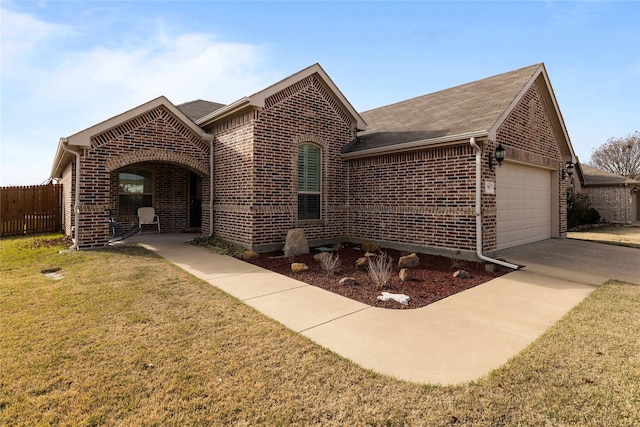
(419, 174)
(615, 197)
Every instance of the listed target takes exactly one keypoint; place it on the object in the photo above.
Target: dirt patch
(432, 280)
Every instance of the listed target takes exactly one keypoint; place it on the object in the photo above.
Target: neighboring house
(411, 175)
(615, 197)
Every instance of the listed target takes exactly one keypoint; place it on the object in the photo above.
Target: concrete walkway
(461, 338)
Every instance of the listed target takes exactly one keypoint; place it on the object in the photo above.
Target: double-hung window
(309, 178)
(135, 190)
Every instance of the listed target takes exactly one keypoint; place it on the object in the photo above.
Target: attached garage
(524, 204)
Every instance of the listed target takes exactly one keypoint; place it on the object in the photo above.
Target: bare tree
(619, 155)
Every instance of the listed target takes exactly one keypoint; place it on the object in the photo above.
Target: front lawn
(122, 337)
(622, 235)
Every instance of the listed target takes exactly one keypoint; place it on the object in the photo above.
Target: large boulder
(409, 261)
(295, 243)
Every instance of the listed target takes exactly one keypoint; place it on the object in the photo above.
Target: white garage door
(523, 197)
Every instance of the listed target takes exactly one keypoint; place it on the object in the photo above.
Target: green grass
(125, 338)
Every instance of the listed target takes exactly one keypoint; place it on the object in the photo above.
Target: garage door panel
(523, 197)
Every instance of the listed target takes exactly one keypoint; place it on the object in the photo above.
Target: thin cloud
(77, 88)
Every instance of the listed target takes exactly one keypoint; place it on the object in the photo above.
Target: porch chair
(147, 216)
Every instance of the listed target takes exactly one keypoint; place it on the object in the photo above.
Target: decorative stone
(296, 243)
(250, 255)
(409, 261)
(347, 281)
(405, 275)
(362, 263)
(491, 268)
(370, 247)
(323, 255)
(461, 274)
(299, 267)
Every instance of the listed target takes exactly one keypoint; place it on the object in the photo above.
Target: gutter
(478, 150)
(414, 145)
(221, 112)
(76, 207)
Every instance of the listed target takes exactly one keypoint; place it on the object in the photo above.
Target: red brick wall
(68, 197)
(256, 162)
(156, 136)
(613, 203)
(422, 198)
(233, 183)
(304, 112)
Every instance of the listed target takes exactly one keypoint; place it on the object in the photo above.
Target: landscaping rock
(362, 263)
(296, 243)
(405, 275)
(409, 261)
(250, 255)
(323, 255)
(348, 281)
(461, 274)
(370, 247)
(299, 267)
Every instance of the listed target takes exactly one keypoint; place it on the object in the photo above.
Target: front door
(195, 200)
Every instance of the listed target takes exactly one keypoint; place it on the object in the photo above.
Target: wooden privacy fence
(30, 210)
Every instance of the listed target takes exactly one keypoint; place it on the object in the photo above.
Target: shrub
(218, 245)
(331, 264)
(380, 269)
(578, 210)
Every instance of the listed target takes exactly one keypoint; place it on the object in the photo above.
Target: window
(309, 160)
(135, 190)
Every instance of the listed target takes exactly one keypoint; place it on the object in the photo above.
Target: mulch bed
(432, 280)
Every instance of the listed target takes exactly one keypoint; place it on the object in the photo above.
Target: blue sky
(66, 66)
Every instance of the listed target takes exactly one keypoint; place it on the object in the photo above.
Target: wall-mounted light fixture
(498, 155)
(569, 169)
(634, 190)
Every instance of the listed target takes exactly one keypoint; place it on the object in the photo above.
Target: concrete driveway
(578, 260)
(458, 339)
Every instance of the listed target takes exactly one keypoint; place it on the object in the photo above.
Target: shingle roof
(198, 108)
(595, 176)
(471, 107)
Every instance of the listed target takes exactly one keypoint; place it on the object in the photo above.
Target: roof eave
(257, 100)
(82, 139)
(415, 145)
(557, 120)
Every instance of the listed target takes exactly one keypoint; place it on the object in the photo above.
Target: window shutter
(309, 178)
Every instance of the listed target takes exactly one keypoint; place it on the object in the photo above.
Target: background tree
(619, 155)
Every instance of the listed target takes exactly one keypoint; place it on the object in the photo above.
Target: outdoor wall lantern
(570, 169)
(499, 154)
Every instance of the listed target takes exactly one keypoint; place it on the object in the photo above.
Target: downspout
(76, 207)
(472, 142)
